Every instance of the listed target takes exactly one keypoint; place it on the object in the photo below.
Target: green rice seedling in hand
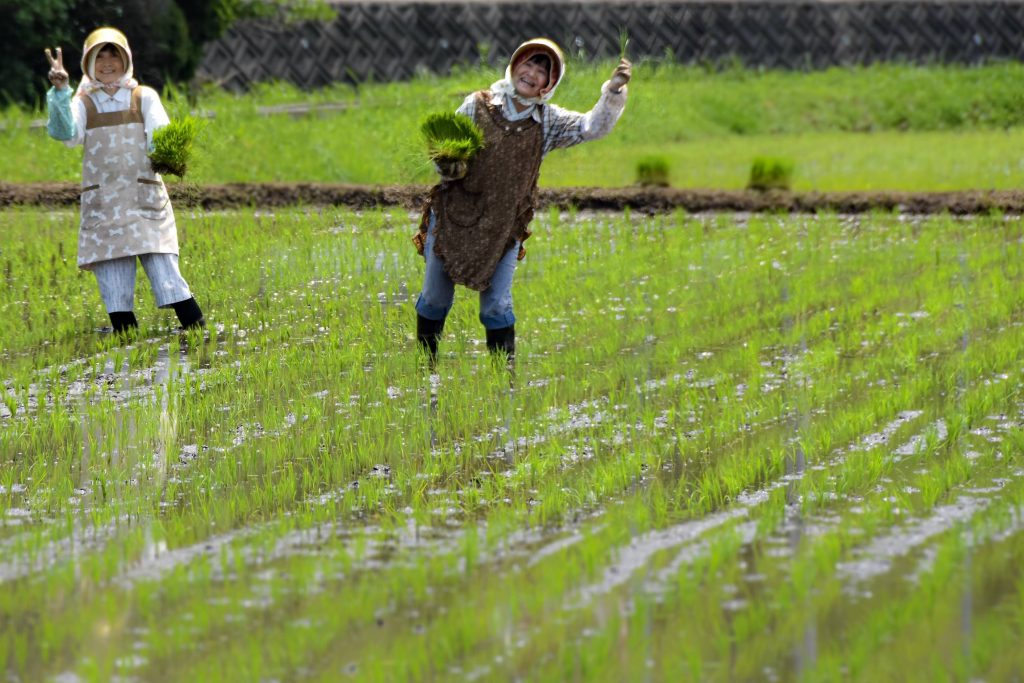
(452, 140)
(172, 146)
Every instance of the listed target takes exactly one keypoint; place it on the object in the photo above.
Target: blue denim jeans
(438, 292)
(116, 279)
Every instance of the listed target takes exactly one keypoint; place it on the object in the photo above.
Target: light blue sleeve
(59, 123)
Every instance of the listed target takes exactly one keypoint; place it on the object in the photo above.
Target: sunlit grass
(876, 127)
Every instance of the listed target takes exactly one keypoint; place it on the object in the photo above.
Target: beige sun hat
(96, 40)
(543, 46)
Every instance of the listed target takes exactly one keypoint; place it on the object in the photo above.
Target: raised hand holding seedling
(58, 75)
(621, 75)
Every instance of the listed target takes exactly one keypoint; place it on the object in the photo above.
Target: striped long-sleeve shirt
(562, 127)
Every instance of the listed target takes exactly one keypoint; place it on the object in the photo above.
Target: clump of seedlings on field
(771, 173)
(652, 171)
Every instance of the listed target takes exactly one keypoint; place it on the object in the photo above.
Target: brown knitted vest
(481, 216)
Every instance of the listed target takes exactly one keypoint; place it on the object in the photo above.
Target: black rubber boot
(503, 340)
(123, 321)
(189, 314)
(428, 333)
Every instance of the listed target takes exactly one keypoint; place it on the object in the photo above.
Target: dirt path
(638, 199)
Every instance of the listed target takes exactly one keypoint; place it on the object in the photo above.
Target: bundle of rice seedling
(172, 146)
(769, 173)
(451, 137)
(652, 171)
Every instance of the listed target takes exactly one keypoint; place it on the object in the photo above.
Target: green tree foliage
(27, 28)
(166, 36)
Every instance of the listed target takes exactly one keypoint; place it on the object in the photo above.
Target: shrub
(172, 146)
(767, 173)
(652, 171)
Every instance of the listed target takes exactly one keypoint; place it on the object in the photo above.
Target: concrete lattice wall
(395, 40)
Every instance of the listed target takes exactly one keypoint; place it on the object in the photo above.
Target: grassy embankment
(878, 127)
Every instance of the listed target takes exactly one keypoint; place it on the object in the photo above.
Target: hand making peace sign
(58, 76)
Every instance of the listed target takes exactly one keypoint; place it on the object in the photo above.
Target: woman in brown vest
(478, 216)
(125, 210)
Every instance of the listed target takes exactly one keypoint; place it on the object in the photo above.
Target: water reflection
(118, 442)
(805, 651)
(967, 600)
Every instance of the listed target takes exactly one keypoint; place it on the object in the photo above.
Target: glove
(620, 77)
(451, 169)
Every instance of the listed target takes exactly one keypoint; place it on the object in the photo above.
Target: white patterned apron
(125, 207)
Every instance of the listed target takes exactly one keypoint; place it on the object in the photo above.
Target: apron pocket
(464, 208)
(91, 207)
(153, 199)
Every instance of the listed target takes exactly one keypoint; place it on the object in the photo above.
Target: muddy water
(815, 551)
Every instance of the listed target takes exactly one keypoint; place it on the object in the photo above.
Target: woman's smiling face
(109, 67)
(531, 76)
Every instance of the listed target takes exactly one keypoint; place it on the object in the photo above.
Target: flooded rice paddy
(735, 448)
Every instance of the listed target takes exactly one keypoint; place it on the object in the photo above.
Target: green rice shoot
(451, 137)
(775, 463)
(769, 173)
(173, 145)
(653, 171)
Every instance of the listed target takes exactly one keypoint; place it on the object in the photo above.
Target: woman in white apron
(125, 211)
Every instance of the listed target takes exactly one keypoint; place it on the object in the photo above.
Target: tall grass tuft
(769, 173)
(451, 137)
(172, 146)
(652, 171)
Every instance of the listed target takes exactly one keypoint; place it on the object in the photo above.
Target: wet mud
(645, 200)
